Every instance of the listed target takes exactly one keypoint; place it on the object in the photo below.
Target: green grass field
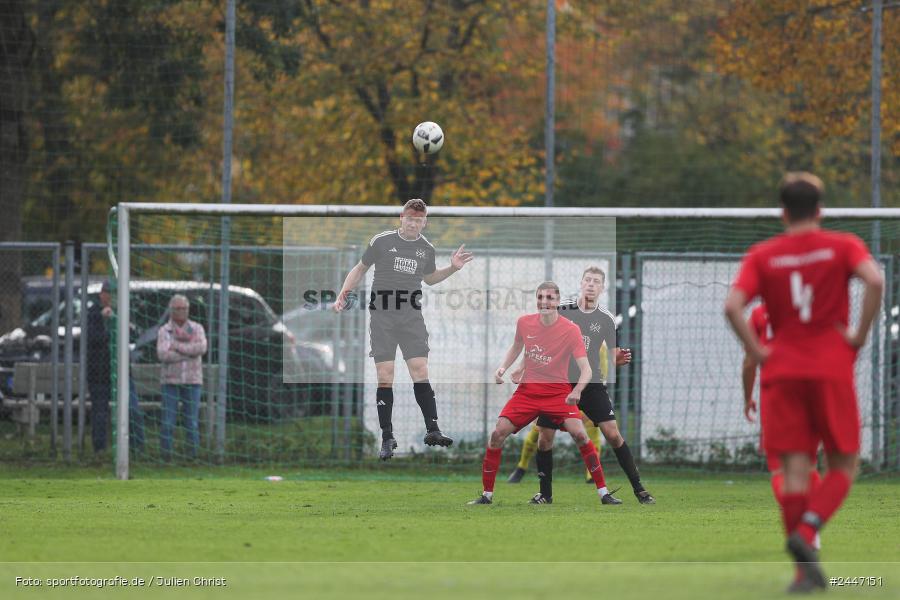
(328, 535)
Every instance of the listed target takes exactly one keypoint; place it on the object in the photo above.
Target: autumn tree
(677, 132)
(348, 81)
(118, 104)
(816, 56)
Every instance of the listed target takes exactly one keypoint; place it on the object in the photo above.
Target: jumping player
(403, 259)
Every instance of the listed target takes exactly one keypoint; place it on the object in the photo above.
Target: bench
(33, 389)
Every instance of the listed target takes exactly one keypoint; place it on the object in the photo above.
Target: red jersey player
(808, 392)
(759, 323)
(549, 342)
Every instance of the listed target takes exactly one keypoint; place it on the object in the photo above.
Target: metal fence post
(346, 379)
(334, 380)
(54, 356)
(485, 389)
(890, 431)
(67, 352)
(637, 337)
(211, 418)
(82, 343)
(624, 380)
(877, 378)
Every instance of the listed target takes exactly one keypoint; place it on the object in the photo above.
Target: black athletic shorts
(406, 329)
(595, 403)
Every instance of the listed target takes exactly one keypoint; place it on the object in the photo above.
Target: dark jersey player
(549, 342)
(403, 259)
(808, 393)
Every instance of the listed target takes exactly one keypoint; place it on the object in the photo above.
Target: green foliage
(666, 448)
(309, 440)
(664, 168)
(163, 88)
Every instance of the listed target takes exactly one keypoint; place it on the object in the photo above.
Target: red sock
(792, 508)
(489, 468)
(777, 482)
(824, 502)
(589, 456)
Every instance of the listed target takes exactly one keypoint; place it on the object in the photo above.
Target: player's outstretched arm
(873, 280)
(353, 278)
(734, 312)
(458, 260)
(511, 355)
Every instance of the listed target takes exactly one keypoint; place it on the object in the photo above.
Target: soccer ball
(428, 137)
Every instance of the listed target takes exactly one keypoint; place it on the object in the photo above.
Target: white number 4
(801, 296)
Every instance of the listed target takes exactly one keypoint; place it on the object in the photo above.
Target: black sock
(425, 400)
(544, 461)
(626, 461)
(384, 402)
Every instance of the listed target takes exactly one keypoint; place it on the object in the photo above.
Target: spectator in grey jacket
(180, 344)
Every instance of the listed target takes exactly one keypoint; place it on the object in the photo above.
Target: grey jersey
(400, 265)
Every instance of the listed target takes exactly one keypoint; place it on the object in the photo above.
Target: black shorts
(595, 403)
(405, 329)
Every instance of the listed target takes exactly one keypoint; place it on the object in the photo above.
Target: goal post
(667, 271)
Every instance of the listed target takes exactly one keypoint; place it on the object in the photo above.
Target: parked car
(318, 324)
(37, 294)
(261, 350)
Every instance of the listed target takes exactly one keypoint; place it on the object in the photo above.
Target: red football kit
(545, 382)
(807, 383)
(544, 389)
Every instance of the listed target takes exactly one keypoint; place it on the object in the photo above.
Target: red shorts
(797, 414)
(773, 461)
(531, 400)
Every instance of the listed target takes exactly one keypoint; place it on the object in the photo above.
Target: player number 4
(801, 296)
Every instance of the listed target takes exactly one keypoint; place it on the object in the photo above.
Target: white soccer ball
(428, 137)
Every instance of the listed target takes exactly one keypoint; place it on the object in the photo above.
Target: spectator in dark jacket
(99, 376)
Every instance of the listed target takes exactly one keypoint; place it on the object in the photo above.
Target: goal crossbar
(302, 210)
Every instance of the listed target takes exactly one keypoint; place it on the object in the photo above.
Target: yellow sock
(594, 433)
(528, 448)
